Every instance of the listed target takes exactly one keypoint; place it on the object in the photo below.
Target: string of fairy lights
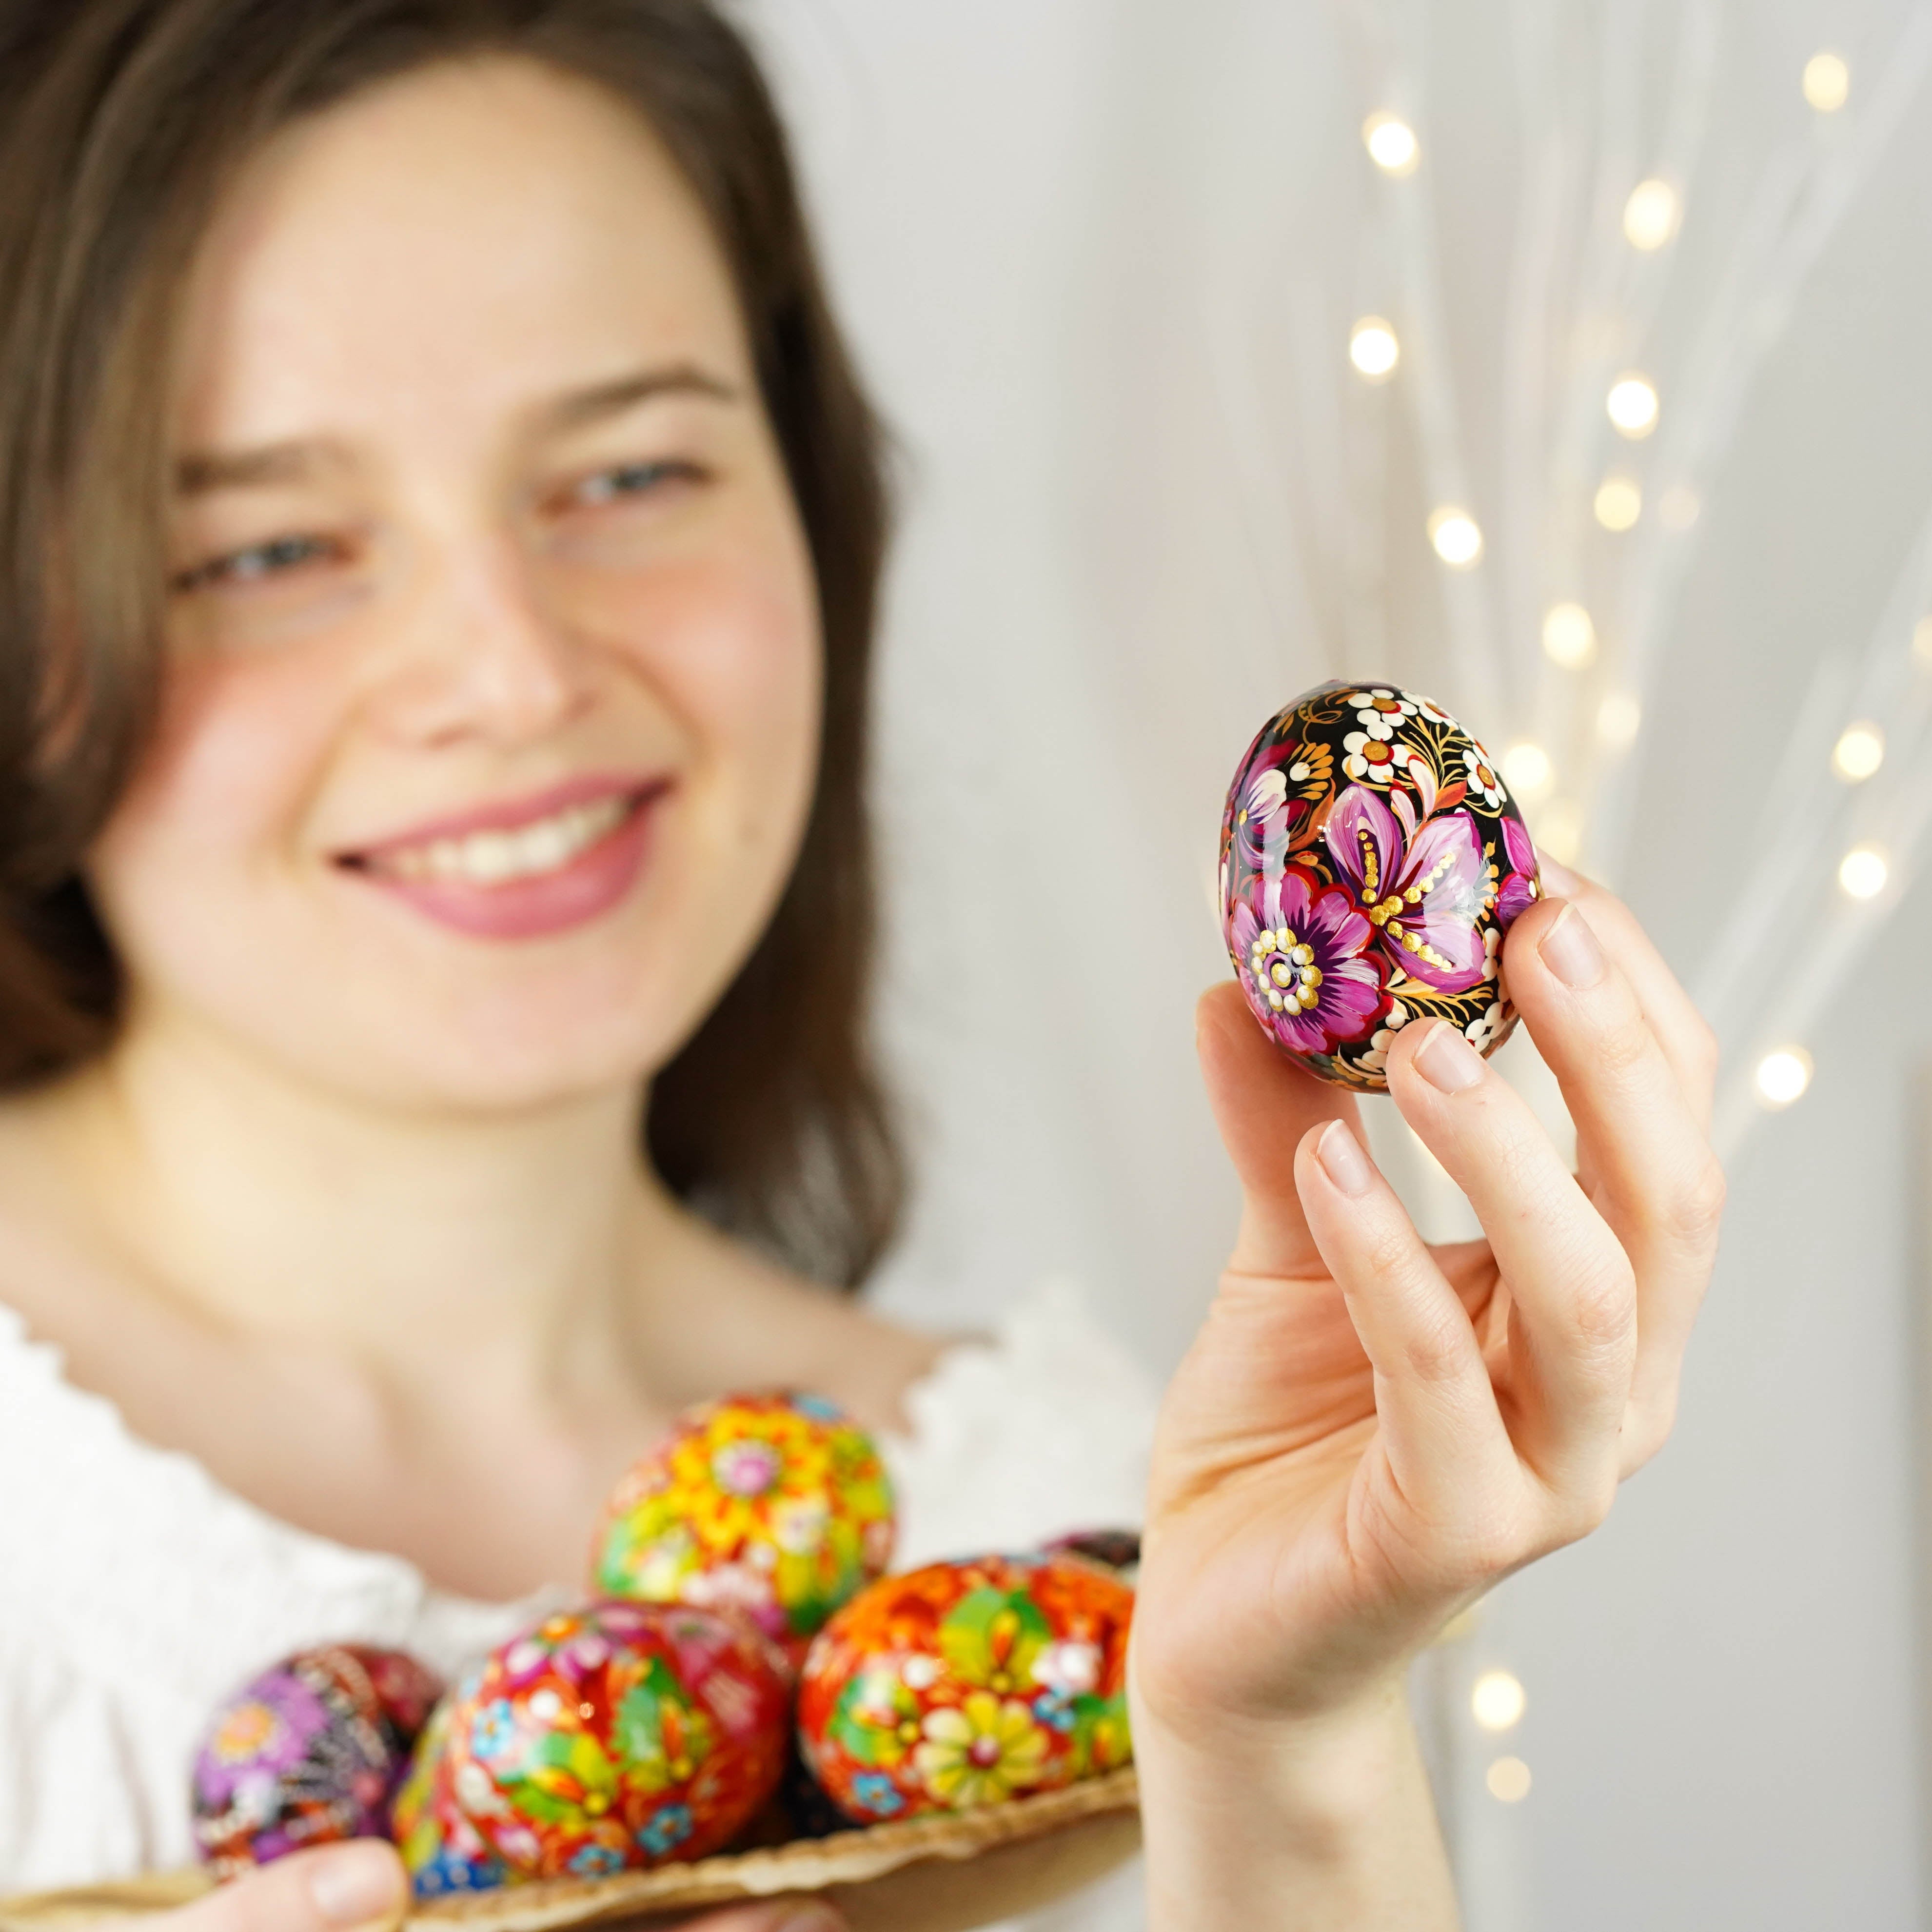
(1620, 456)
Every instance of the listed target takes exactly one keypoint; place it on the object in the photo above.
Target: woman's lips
(521, 871)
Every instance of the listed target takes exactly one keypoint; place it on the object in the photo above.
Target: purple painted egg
(1372, 859)
(307, 1754)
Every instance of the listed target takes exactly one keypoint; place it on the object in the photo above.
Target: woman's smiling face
(490, 724)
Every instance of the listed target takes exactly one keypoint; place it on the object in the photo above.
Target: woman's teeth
(490, 858)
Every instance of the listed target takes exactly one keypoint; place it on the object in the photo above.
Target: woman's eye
(276, 558)
(635, 479)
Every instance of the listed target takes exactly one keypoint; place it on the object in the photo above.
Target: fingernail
(1343, 1161)
(813, 1918)
(357, 1885)
(1569, 949)
(1447, 1060)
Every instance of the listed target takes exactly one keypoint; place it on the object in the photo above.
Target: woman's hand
(361, 1887)
(1369, 1433)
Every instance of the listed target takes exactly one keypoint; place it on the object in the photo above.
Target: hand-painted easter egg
(442, 1852)
(307, 1754)
(775, 1506)
(619, 1736)
(966, 1684)
(1372, 860)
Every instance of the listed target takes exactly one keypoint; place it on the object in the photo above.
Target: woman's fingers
(358, 1887)
(1653, 1176)
(1435, 1405)
(1573, 1322)
(1686, 1041)
(1263, 1104)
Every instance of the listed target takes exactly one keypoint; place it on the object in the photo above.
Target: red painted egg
(967, 1683)
(776, 1506)
(617, 1737)
(442, 1852)
(1372, 859)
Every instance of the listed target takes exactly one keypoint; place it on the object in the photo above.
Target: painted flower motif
(1423, 895)
(1054, 1709)
(980, 1752)
(1493, 952)
(1072, 1669)
(666, 1831)
(1520, 888)
(1307, 962)
(1481, 780)
(1375, 1060)
(746, 1469)
(1372, 760)
(1483, 1031)
(1433, 711)
(873, 1791)
(1381, 711)
(596, 1861)
(1275, 788)
(495, 1730)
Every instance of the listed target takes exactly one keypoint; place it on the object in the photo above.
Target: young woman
(437, 559)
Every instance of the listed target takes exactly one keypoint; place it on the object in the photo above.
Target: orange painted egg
(967, 1684)
(616, 1737)
(442, 1852)
(776, 1506)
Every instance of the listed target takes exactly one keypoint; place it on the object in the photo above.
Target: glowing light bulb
(1569, 637)
(1619, 502)
(1632, 406)
(1859, 752)
(1782, 1076)
(1650, 214)
(1828, 82)
(1862, 872)
(1497, 1700)
(1619, 718)
(1391, 144)
(1678, 508)
(1921, 641)
(1526, 769)
(1457, 540)
(1508, 1780)
(1373, 349)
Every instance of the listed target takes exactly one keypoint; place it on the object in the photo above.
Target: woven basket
(946, 1872)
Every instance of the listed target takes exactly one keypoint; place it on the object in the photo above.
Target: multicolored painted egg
(966, 1684)
(1372, 859)
(307, 1754)
(774, 1506)
(619, 1736)
(442, 1852)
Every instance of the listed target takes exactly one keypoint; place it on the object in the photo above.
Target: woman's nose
(480, 654)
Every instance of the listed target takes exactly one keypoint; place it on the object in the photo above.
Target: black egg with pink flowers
(1372, 859)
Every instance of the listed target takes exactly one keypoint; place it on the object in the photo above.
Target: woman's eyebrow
(298, 461)
(607, 399)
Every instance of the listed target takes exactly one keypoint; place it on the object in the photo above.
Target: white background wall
(1099, 257)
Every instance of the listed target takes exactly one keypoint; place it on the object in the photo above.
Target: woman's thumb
(357, 1887)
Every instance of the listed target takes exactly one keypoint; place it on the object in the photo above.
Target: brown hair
(120, 122)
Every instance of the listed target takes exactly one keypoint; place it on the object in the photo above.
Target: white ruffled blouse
(136, 1592)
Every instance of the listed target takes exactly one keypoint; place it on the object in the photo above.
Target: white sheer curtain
(1102, 258)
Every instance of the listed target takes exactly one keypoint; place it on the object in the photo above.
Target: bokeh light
(1828, 82)
(1569, 637)
(1373, 349)
(1391, 143)
(1650, 214)
(1526, 769)
(1863, 871)
(1859, 751)
(1619, 718)
(1782, 1076)
(1632, 406)
(1496, 1701)
(1618, 503)
(1454, 532)
(1508, 1780)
